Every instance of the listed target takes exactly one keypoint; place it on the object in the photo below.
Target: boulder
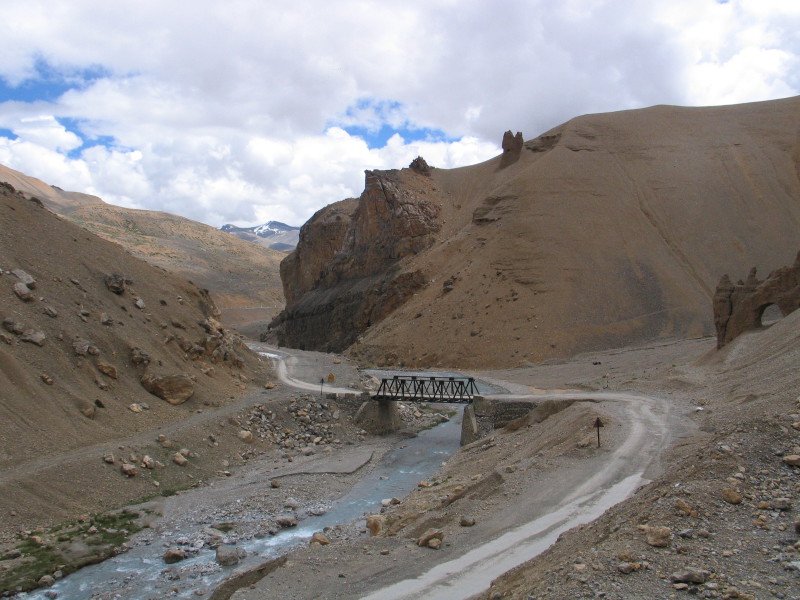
(431, 534)
(286, 521)
(173, 555)
(107, 369)
(319, 539)
(731, 496)
(128, 470)
(689, 575)
(246, 436)
(115, 283)
(83, 347)
(23, 292)
(228, 556)
(139, 356)
(179, 459)
(33, 336)
(793, 460)
(175, 388)
(375, 524)
(659, 537)
(13, 326)
(24, 278)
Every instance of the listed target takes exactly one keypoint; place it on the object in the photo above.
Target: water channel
(139, 573)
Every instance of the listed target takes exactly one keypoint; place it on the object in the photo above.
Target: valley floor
(718, 519)
(708, 430)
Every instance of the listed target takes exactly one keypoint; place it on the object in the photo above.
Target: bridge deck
(415, 388)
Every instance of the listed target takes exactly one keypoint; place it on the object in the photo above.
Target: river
(140, 573)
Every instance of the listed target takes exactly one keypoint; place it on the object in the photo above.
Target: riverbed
(141, 574)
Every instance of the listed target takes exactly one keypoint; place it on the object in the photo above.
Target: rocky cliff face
(349, 269)
(607, 231)
(739, 308)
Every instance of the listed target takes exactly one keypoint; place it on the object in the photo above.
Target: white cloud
(234, 112)
(45, 131)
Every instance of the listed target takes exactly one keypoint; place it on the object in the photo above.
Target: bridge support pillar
(378, 417)
(469, 426)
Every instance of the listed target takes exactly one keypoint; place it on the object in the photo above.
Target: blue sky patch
(375, 121)
(7, 133)
(49, 83)
(378, 139)
(74, 126)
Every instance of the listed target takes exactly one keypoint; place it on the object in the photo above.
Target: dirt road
(604, 481)
(553, 488)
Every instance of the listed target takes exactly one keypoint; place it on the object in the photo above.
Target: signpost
(598, 424)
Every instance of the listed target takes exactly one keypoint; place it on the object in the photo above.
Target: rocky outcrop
(740, 307)
(512, 148)
(174, 388)
(420, 166)
(348, 270)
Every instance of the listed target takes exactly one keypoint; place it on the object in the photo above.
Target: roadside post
(321, 383)
(598, 424)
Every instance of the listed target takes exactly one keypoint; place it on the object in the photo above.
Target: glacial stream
(139, 574)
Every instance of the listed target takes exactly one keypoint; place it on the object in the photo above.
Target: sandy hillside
(73, 354)
(608, 230)
(237, 273)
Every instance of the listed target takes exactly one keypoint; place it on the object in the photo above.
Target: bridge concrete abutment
(378, 417)
(485, 415)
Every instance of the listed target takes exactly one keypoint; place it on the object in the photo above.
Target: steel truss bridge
(415, 388)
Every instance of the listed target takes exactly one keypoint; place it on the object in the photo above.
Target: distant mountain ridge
(237, 273)
(272, 234)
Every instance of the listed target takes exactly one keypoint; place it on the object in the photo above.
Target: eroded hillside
(608, 230)
(96, 346)
(237, 273)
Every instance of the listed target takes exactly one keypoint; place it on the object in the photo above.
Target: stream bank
(327, 490)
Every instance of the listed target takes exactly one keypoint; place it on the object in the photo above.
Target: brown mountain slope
(237, 273)
(55, 198)
(69, 371)
(608, 230)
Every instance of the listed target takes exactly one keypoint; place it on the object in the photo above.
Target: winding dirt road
(283, 360)
(574, 494)
(603, 483)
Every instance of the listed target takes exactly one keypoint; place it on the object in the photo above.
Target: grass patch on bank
(65, 547)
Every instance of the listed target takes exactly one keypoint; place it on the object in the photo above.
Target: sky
(246, 111)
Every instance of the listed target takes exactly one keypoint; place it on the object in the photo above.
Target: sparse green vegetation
(37, 555)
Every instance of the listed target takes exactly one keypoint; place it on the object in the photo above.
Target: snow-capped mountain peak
(272, 234)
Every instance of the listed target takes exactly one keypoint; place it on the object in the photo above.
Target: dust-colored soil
(730, 419)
